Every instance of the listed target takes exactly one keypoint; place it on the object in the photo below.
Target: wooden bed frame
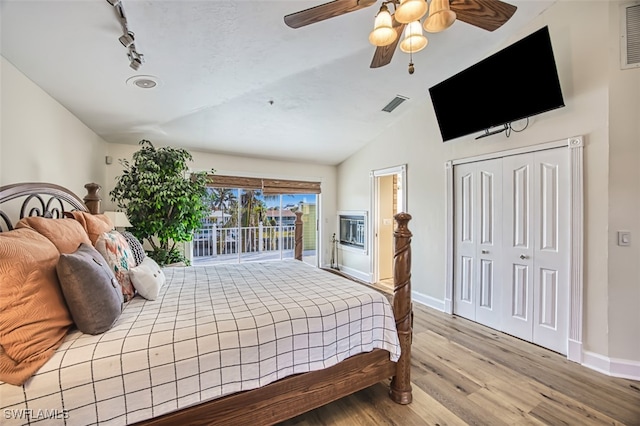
(287, 397)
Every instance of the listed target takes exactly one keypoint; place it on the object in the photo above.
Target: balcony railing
(213, 241)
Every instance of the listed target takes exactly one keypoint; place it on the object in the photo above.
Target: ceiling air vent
(630, 37)
(395, 102)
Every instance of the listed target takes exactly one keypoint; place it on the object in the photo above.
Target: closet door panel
(551, 251)
(517, 273)
(465, 241)
(489, 246)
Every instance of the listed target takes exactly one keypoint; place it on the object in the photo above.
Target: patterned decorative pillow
(116, 251)
(135, 245)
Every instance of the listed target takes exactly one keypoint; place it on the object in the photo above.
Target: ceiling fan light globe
(414, 44)
(410, 10)
(440, 16)
(413, 40)
(383, 33)
(382, 37)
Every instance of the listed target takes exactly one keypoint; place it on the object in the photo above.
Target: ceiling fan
(486, 14)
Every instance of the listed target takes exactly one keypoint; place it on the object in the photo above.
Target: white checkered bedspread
(213, 330)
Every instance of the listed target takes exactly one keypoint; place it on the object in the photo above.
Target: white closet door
(478, 234)
(489, 243)
(465, 241)
(518, 179)
(536, 247)
(551, 251)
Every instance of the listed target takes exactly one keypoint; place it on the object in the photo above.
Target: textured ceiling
(233, 77)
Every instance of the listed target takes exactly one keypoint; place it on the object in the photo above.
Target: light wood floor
(464, 373)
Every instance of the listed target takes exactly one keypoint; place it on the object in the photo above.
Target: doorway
(388, 198)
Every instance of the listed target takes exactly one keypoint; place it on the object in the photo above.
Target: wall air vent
(630, 35)
(395, 102)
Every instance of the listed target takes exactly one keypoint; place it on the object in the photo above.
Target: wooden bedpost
(92, 199)
(400, 389)
(298, 246)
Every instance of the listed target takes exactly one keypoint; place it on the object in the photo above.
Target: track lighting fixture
(127, 38)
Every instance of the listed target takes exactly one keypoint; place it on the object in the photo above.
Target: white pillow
(147, 278)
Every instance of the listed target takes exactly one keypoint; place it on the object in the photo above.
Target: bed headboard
(20, 200)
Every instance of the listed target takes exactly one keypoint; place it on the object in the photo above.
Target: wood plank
(465, 373)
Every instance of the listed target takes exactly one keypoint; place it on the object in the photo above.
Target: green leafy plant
(164, 202)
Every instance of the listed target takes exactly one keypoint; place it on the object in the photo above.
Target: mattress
(212, 331)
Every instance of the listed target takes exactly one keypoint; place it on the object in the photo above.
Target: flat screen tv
(517, 82)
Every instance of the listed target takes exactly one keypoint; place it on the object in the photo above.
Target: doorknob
(485, 251)
(523, 257)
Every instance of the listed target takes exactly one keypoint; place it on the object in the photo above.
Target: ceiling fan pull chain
(411, 67)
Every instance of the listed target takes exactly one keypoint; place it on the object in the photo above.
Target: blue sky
(292, 199)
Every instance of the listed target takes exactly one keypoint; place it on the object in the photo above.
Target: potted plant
(164, 202)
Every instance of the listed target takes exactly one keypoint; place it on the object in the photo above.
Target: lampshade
(119, 219)
(440, 16)
(413, 41)
(410, 10)
(383, 33)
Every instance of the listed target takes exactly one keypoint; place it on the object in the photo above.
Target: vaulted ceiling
(232, 77)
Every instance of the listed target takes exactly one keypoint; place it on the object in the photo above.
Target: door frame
(576, 233)
(373, 231)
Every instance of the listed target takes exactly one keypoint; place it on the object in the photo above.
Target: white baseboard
(362, 276)
(429, 301)
(615, 367)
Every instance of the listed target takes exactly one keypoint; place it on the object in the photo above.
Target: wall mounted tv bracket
(493, 132)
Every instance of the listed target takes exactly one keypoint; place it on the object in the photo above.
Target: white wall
(250, 167)
(42, 141)
(624, 202)
(585, 37)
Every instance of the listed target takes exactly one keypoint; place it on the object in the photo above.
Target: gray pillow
(90, 288)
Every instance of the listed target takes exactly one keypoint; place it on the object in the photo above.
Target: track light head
(127, 39)
(137, 59)
(135, 64)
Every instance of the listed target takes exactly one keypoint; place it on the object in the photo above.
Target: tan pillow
(65, 234)
(93, 224)
(33, 315)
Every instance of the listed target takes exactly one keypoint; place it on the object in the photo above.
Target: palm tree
(252, 208)
(222, 199)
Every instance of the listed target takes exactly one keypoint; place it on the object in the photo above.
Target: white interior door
(536, 258)
(478, 234)
(511, 257)
(517, 291)
(489, 247)
(551, 250)
(464, 303)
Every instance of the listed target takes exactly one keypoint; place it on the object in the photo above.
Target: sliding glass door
(245, 225)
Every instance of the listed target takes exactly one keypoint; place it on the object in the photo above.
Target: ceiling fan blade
(486, 14)
(383, 55)
(325, 11)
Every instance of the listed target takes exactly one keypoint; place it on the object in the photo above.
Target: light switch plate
(624, 238)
